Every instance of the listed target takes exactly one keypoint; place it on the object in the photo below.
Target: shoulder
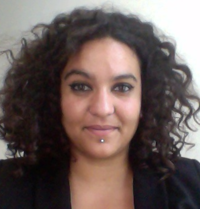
(185, 163)
(187, 170)
(39, 187)
(9, 166)
(15, 190)
(183, 187)
(6, 166)
(180, 190)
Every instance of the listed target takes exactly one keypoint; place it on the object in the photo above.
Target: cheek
(129, 114)
(130, 109)
(71, 110)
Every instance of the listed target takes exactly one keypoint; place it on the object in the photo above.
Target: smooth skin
(101, 98)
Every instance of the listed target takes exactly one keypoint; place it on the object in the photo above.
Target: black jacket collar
(53, 191)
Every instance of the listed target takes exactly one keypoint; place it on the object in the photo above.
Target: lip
(101, 130)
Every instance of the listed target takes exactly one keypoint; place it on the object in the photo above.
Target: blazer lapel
(148, 192)
(52, 190)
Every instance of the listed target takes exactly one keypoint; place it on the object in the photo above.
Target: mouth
(101, 131)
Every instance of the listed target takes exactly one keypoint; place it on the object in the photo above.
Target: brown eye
(79, 87)
(122, 87)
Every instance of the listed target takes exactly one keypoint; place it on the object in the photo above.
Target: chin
(106, 153)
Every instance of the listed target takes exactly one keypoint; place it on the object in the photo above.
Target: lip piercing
(102, 140)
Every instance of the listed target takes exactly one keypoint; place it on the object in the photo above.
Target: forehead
(105, 55)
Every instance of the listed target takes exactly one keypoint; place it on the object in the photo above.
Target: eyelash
(81, 87)
(121, 87)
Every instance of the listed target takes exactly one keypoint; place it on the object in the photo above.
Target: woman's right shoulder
(15, 190)
(9, 178)
(6, 163)
(10, 172)
(6, 168)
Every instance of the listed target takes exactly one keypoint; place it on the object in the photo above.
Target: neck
(104, 171)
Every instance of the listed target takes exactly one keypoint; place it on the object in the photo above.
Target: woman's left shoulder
(187, 168)
(183, 187)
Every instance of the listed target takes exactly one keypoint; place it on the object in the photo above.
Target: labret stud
(102, 140)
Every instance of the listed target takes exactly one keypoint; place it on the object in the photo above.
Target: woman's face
(101, 98)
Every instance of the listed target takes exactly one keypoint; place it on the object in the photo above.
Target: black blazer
(51, 190)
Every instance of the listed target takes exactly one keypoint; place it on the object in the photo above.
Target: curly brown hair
(30, 97)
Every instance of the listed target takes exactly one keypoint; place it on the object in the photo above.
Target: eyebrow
(125, 76)
(76, 72)
(86, 75)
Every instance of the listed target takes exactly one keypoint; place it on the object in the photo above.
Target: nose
(102, 104)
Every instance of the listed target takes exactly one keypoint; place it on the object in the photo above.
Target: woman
(94, 116)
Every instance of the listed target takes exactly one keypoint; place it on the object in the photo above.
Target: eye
(79, 87)
(122, 87)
